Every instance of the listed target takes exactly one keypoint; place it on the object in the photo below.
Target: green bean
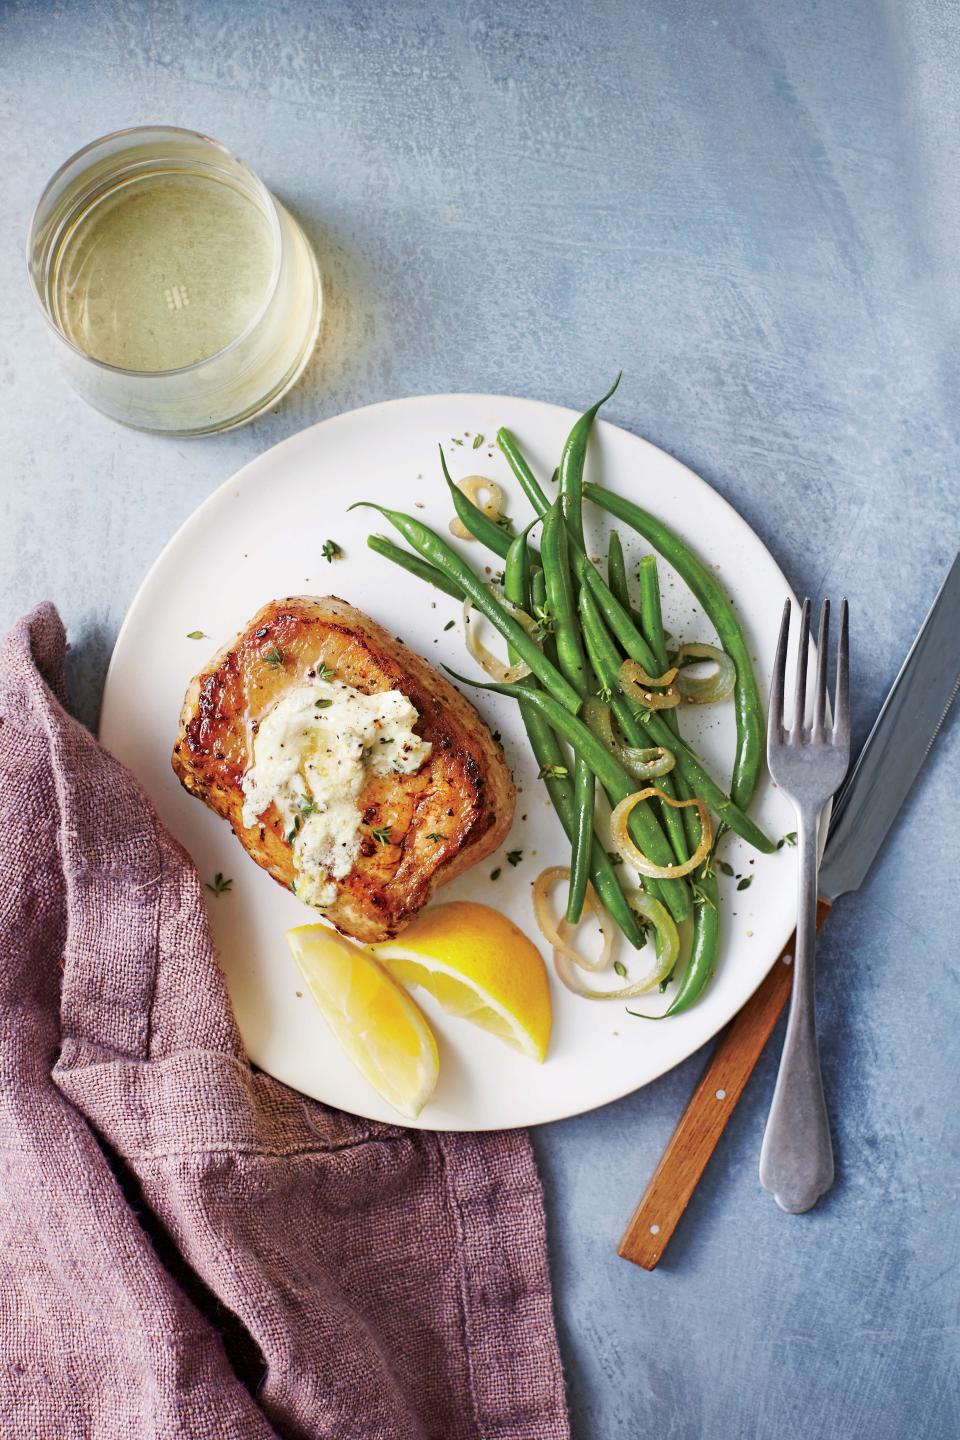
(422, 568)
(551, 761)
(703, 949)
(652, 621)
(683, 826)
(516, 571)
(620, 621)
(617, 782)
(652, 624)
(554, 553)
(706, 917)
(606, 660)
(571, 466)
(706, 587)
(529, 484)
(562, 605)
(428, 544)
(481, 527)
(549, 756)
(617, 571)
(703, 953)
(704, 785)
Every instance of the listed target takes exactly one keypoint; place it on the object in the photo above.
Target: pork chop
(417, 831)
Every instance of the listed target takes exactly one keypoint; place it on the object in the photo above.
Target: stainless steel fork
(808, 764)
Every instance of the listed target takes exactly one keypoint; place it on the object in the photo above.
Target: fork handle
(796, 1158)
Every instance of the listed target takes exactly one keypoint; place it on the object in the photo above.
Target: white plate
(259, 537)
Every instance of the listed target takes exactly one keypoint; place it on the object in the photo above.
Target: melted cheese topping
(311, 756)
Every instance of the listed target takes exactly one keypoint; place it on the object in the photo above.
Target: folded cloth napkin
(187, 1247)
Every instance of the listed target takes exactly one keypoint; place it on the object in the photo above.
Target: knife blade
(918, 703)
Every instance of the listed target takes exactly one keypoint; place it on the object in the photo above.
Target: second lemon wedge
(479, 966)
(380, 1027)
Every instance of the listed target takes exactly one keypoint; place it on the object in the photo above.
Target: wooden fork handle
(708, 1110)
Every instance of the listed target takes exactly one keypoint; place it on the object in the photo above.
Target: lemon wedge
(479, 966)
(382, 1030)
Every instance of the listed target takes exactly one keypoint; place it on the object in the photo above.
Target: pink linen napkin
(187, 1247)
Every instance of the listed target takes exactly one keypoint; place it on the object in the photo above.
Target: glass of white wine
(184, 298)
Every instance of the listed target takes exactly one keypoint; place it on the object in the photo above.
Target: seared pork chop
(416, 830)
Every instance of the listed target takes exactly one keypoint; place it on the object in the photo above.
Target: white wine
(183, 296)
(161, 271)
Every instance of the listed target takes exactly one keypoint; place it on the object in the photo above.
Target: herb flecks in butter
(311, 760)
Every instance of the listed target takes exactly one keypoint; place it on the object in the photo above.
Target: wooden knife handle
(708, 1110)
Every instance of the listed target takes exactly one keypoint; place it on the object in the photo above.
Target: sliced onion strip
(635, 682)
(568, 962)
(503, 674)
(667, 948)
(555, 932)
(697, 690)
(492, 506)
(619, 821)
(640, 675)
(643, 763)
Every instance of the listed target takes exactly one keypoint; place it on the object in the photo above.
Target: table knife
(864, 810)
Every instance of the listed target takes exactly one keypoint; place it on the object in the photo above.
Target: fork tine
(820, 698)
(803, 649)
(775, 712)
(841, 709)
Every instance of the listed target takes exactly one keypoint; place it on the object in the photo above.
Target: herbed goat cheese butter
(311, 755)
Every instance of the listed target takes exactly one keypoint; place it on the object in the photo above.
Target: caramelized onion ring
(555, 932)
(703, 691)
(628, 850)
(640, 762)
(635, 682)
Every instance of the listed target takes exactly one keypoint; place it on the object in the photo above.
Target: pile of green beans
(591, 626)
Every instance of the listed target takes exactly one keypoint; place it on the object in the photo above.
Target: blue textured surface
(753, 209)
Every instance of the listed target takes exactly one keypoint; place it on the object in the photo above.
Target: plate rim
(245, 475)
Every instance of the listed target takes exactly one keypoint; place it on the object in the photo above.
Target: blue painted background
(751, 207)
